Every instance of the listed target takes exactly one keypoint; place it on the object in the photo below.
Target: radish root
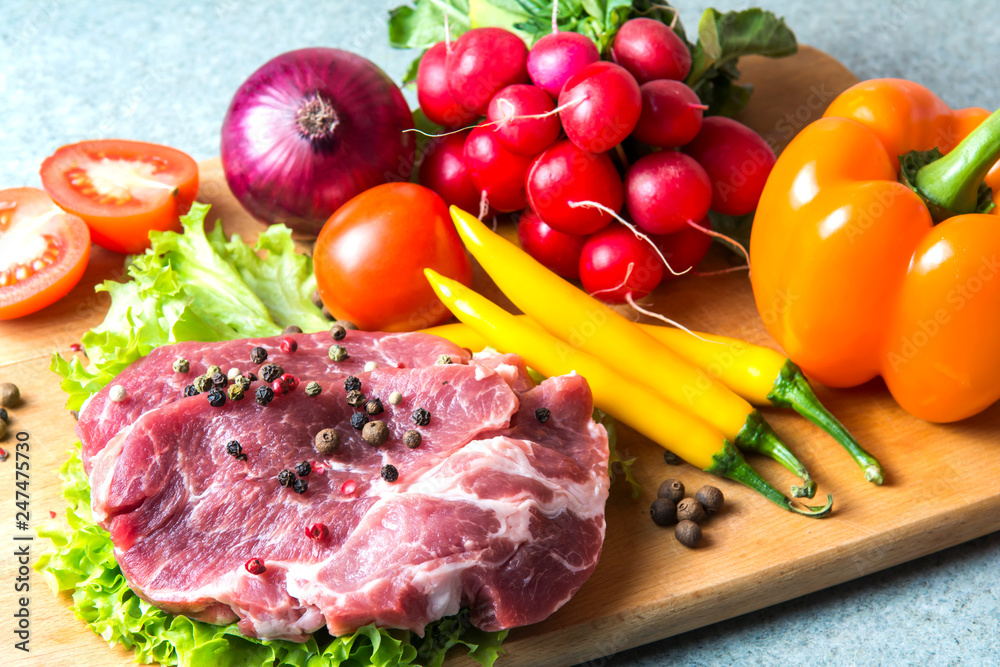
(667, 320)
(727, 240)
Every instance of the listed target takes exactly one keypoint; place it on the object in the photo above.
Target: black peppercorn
(303, 468)
(338, 332)
(375, 433)
(671, 488)
(190, 390)
(670, 458)
(300, 486)
(688, 533)
(663, 511)
(355, 399)
(234, 449)
(389, 473)
(252, 377)
(374, 407)
(202, 383)
(327, 441)
(263, 395)
(710, 498)
(690, 509)
(352, 383)
(258, 355)
(313, 388)
(220, 381)
(542, 415)
(412, 439)
(285, 478)
(271, 372)
(358, 420)
(216, 398)
(421, 417)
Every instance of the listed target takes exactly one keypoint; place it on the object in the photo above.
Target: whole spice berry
(670, 458)
(358, 420)
(300, 486)
(251, 377)
(202, 383)
(317, 531)
(352, 383)
(314, 298)
(263, 395)
(542, 415)
(338, 353)
(255, 566)
(233, 373)
(271, 372)
(688, 533)
(219, 380)
(288, 345)
(190, 390)
(279, 387)
(118, 393)
(3, 430)
(235, 392)
(370, 366)
(421, 417)
(258, 355)
(182, 365)
(216, 398)
(375, 433)
(348, 487)
(690, 509)
(710, 498)
(338, 332)
(374, 406)
(286, 478)
(244, 382)
(212, 370)
(412, 438)
(327, 441)
(325, 312)
(347, 324)
(4, 417)
(234, 449)
(303, 468)
(671, 488)
(290, 380)
(389, 473)
(3, 454)
(355, 399)
(313, 388)
(395, 398)
(291, 329)
(10, 395)
(443, 359)
(663, 511)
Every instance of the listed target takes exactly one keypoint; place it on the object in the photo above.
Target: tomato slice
(43, 251)
(122, 189)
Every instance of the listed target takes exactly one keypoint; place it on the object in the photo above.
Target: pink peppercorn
(348, 487)
(255, 566)
(289, 345)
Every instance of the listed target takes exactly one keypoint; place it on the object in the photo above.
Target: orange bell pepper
(853, 274)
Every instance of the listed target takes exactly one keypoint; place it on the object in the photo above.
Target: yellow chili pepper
(757, 373)
(662, 422)
(585, 323)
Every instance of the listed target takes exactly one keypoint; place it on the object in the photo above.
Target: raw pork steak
(495, 510)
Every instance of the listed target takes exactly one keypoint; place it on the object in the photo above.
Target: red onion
(310, 130)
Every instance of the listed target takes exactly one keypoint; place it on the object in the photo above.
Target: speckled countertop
(165, 72)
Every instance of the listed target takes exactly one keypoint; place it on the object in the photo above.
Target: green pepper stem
(792, 390)
(758, 437)
(952, 182)
(728, 462)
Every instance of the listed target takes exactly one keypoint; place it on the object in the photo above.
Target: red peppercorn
(75, 347)
(290, 380)
(348, 487)
(52, 514)
(289, 345)
(279, 387)
(3, 454)
(255, 566)
(317, 531)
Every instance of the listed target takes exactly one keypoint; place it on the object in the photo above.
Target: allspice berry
(690, 509)
(672, 489)
(375, 433)
(688, 533)
(710, 498)
(327, 441)
(412, 438)
(10, 395)
(670, 458)
(663, 511)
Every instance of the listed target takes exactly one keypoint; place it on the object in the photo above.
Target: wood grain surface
(939, 489)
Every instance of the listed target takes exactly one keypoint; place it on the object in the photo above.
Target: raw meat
(495, 511)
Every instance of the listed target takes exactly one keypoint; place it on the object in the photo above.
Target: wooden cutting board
(940, 487)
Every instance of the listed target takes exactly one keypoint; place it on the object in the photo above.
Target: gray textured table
(165, 72)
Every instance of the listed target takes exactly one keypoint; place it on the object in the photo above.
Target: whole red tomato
(371, 254)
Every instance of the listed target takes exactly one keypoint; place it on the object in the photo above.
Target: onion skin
(279, 173)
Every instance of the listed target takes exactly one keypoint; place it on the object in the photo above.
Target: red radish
(684, 250)
(524, 136)
(556, 250)
(558, 56)
(602, 105)
(665, 191)
(495, 170)
(432, 91)
(604, 265)
(671, 114)
(651, 50)
(482, 62)
(565, 174)
(443, 171)
(738, 162)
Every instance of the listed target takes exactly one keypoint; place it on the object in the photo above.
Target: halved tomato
(122, 189)
(43, 251)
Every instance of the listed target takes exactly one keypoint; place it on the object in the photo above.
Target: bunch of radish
(550, 146)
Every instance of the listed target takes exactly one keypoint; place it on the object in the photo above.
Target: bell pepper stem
(792, 390)
(757, 436)
(952, 182)
(728, 462)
